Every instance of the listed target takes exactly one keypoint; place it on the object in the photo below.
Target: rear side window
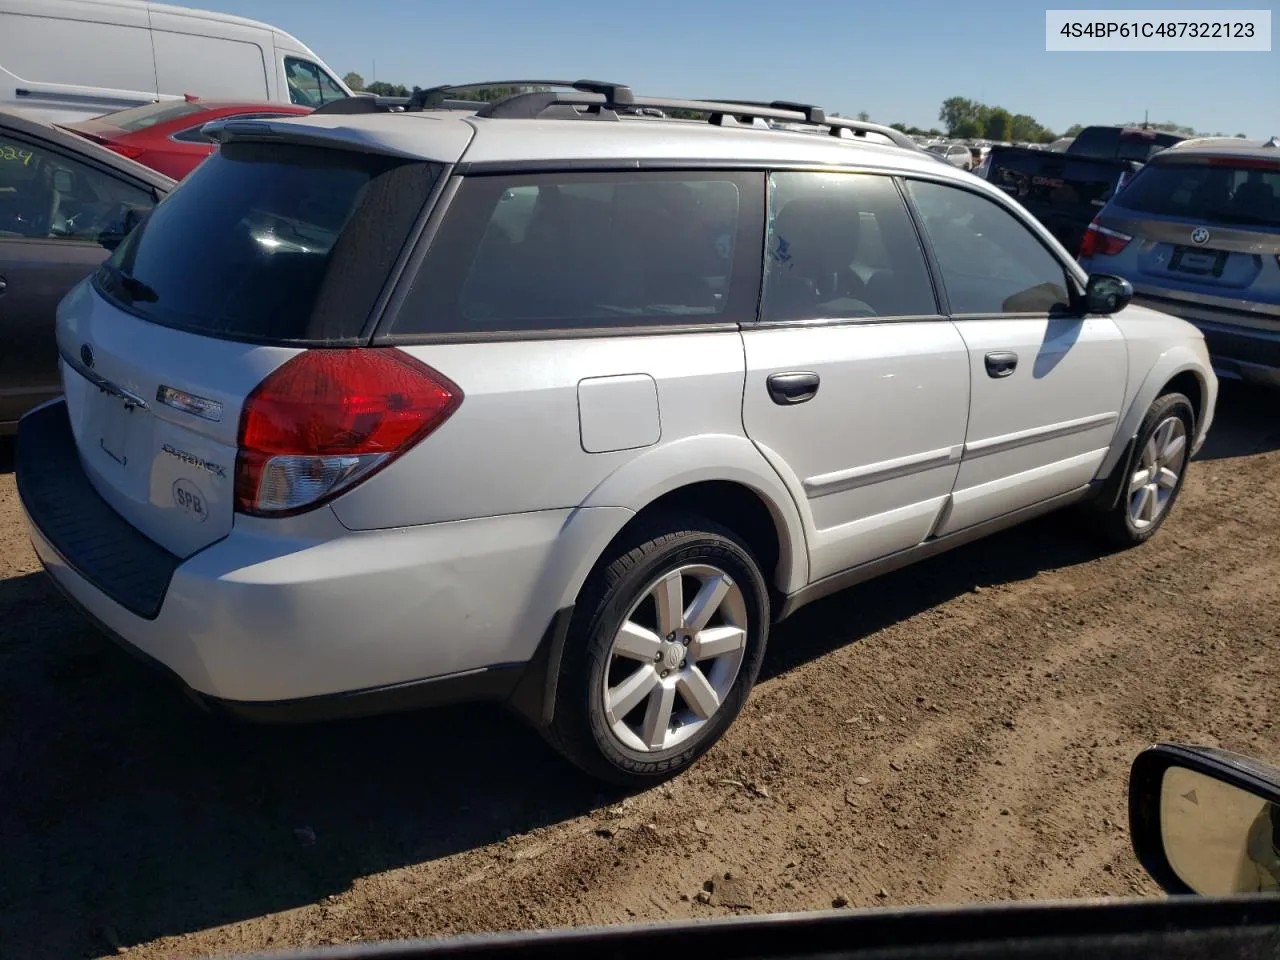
(590, 250)
(841, 246)
(272, 243)
(1223, 192)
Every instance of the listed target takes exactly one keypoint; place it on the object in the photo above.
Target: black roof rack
(604, 100)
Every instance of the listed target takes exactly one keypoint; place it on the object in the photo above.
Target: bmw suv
(547, 402)
(1197, 233)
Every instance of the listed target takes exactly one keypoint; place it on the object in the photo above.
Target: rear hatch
(268, 250)
(1208, 226)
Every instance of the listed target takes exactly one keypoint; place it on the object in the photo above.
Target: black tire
(1116, 525)
(580, 730)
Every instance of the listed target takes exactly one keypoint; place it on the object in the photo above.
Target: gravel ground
(954, 732)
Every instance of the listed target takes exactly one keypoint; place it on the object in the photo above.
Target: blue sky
(896, 59)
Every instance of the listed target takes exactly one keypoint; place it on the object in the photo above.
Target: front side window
(990, 262)
(588, 250)
(49, 195)
(841, 246)
(309, 84)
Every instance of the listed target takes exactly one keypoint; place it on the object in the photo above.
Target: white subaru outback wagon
(556, 402)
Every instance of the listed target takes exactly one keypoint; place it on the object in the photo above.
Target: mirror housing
(1107, 294)
(1205, 821)
(130, 217)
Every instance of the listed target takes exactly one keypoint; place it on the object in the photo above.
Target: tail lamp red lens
(327, 420)
(1102, 241)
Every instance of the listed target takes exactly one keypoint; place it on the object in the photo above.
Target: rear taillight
(329, 419)
(1102, 241)
(133, 153)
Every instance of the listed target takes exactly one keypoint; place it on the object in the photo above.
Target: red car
(166, 136)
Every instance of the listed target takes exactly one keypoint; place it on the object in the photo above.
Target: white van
(68, 60)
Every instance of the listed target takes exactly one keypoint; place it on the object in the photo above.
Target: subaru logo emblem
(1199, 235)
(86, 355)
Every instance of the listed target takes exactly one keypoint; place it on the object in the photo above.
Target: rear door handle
(3, 284)
(789, 388)
(1001, 363)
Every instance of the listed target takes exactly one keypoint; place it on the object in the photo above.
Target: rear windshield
(1113, 142)
(139, 118)
(272, 243)
(1218, 192)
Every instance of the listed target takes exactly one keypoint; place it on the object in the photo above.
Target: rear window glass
(272, 243)
(588, 250)
(139, 118)
(1218, 193)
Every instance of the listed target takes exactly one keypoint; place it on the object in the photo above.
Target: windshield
(1217, 192)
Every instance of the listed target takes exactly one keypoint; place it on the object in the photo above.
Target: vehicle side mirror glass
(1107, 294)
(1205, 821)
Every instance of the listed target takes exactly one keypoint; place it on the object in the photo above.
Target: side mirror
(1107, 294)
(1205, 821)
(113, 236)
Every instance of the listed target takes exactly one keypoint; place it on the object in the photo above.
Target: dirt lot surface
(955, 732)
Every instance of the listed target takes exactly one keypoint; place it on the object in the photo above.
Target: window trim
(939, 293)
(383, 332)
(1072, 271)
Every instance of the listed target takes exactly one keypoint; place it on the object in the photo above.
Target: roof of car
(74, 143)
(1224, 147)
(450, 136)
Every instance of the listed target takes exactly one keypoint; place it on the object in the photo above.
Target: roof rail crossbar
(614, 92)
(546, 103)
(604, 100)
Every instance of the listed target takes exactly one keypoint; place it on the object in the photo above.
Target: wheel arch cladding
(726, 479)
(1177, 370)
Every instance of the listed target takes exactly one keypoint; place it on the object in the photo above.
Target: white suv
(547, 402)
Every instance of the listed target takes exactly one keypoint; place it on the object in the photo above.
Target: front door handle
(788, 388)
(1001, 363)
(3, 284)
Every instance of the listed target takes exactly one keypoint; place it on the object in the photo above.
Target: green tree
(966, 129)
(381, 88)
(998, 124)
(864, 116)
(354, 81)
(1241, 136)
(1073, 130)
(957, 111)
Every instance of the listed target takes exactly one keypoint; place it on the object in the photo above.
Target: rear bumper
(1240, 350)
(270, 627)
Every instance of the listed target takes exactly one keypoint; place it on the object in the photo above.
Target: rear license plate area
(114, 426)
(1199, 263)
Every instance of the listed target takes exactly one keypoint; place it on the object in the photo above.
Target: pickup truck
(1065, 191)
